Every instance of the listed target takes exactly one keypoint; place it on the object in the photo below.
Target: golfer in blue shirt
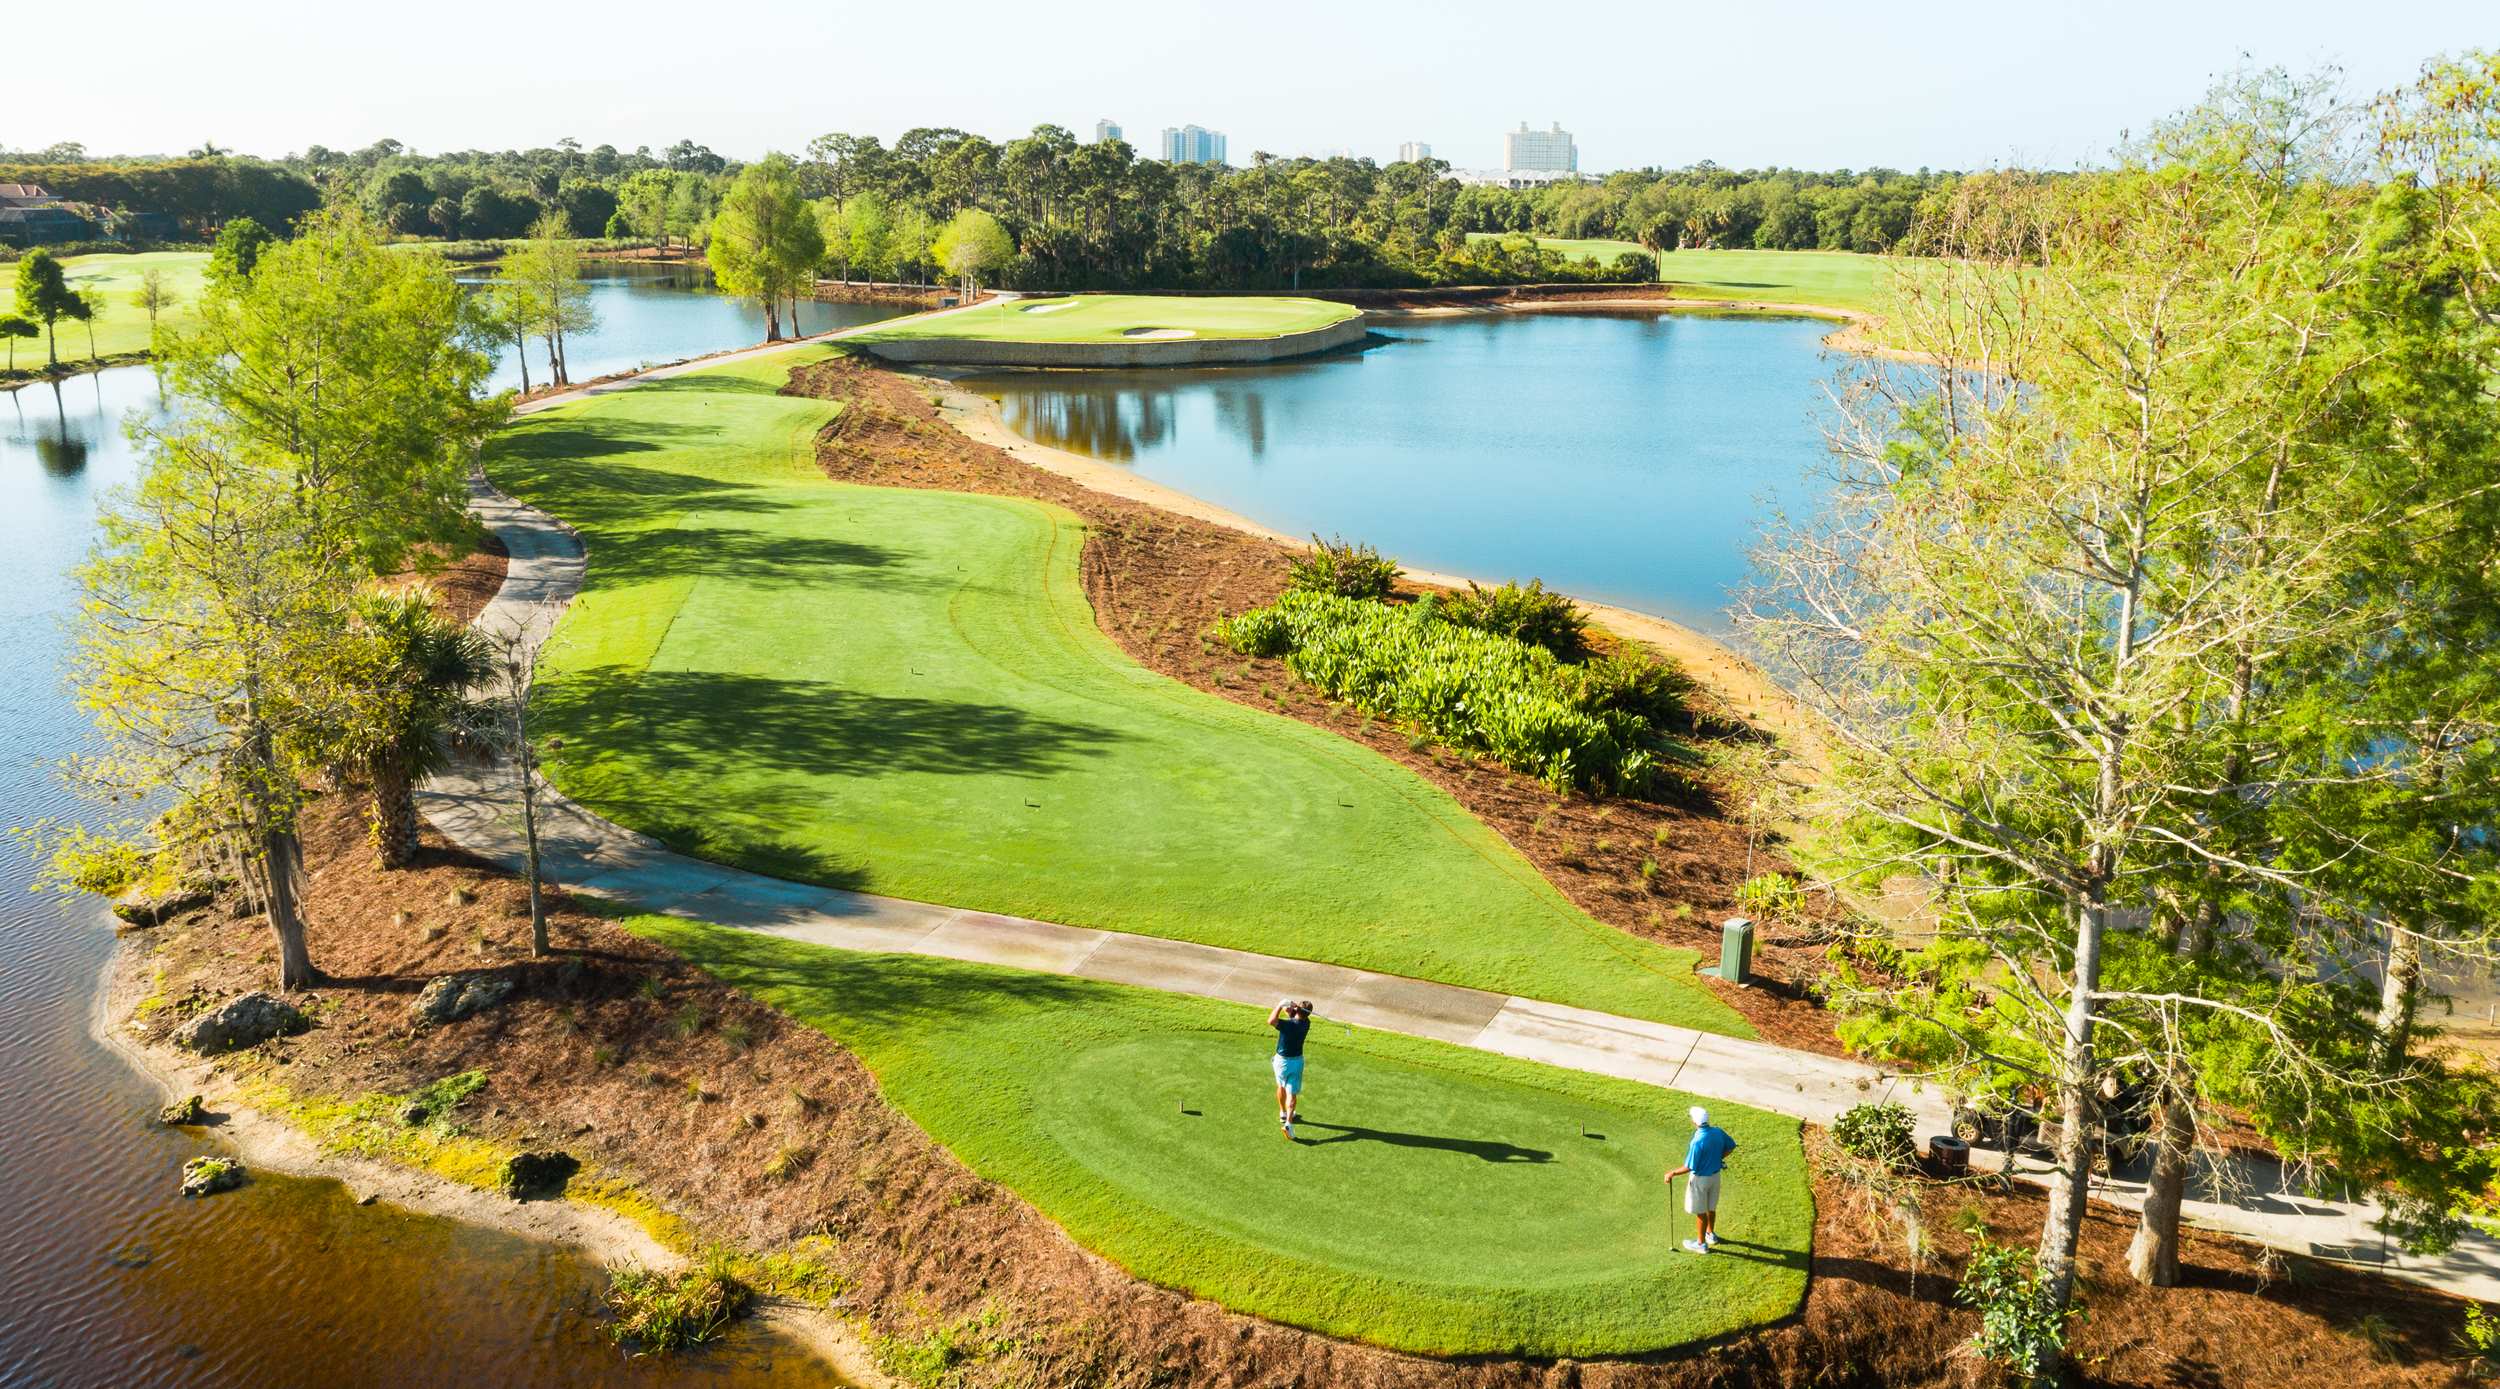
(1703, 1158)
(1292, 1022)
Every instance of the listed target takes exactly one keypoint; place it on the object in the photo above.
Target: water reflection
(1628, 457)
(649, 314)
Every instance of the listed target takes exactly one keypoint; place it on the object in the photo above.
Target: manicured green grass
(1111, 317)
(1597, 249)
(1436, 1199)
(906, 692)
(123, 327)
(1826, 279)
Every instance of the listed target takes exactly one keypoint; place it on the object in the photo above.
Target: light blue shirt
(1709, 1150)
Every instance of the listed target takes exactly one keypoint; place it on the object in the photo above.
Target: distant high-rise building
(1546, 151)
(1413, 150)
(1191, 145)
(1106, 131)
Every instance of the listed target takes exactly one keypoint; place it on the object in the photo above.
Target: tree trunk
(51, 343)
(2153, 1256)
(393, 816)
(2400, 985)
(281, 867)
(772, 319)
(521, 354)
(2062, 1232)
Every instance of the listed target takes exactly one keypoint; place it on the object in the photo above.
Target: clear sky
(1817, 85)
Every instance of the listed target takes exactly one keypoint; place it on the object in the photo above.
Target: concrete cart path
(476, 806)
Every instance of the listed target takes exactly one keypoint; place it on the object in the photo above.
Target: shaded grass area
(123, 326)
(1436, 1200)
(906, 692)
(1110, 318)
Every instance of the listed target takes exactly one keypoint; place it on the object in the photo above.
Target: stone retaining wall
(1146, 352)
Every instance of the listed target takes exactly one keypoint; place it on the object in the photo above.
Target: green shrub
(1880, 1133)
(665, 1312)
(1469, 689)
(2479, 1338)
(1345, 569)
(1635, 685)
(2018, 1327)
(1770, 897)
(1530, 612)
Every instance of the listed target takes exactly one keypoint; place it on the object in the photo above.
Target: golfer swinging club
(1703, 1159)
(1292, 1022)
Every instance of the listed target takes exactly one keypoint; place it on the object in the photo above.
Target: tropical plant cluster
(1349, 569)
(1468, 688)
(1528, 612)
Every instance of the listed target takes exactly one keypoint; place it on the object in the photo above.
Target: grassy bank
(1435, 1199)
(1126, 317)
(906, 692)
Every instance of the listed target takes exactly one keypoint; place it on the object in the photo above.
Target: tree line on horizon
(1081, 215)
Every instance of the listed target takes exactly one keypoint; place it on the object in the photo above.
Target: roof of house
(24, 192)
(39, 214)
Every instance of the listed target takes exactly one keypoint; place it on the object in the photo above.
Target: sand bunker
(1047, 306)
(1159, 333)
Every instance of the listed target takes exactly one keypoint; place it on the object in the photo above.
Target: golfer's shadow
(1490, 1152)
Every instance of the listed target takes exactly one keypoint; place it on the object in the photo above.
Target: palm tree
(419, 669)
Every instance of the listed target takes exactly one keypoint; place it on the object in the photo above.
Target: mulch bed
(603, 1047)
(1159, 581)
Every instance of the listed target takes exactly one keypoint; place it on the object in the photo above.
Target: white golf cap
(1700, 1115)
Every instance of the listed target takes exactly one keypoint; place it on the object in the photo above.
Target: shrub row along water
(1594, 725)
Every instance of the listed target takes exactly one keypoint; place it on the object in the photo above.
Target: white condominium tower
(1544, 151)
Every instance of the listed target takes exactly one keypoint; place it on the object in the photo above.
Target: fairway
(1436, 1199)
(123, 327)
(905, 692)
(1826, 279)
(1112, 318)
(1598, 249)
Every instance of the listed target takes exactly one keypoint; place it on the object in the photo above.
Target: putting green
(1123, 318)
(1436, 1200)
(906, 692)
(123, 326)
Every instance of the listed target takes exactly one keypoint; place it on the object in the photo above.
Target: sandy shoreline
(1740, 686)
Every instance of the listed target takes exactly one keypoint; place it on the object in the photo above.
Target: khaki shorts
(1701, 1194)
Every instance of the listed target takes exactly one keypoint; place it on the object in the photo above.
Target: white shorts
(1701, 1194)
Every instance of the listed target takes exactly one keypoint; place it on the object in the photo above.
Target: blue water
(650, 314)
(1627, 458)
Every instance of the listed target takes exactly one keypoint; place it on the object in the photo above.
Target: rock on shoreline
(244, 1021)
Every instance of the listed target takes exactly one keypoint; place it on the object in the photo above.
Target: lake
(1628, 458)
(107, 1276)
